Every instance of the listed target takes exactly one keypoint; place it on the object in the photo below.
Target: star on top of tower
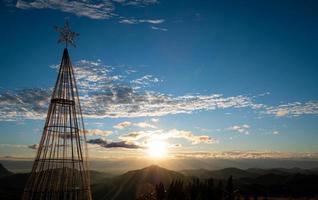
(66, 35)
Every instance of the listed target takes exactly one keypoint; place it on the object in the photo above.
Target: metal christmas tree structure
(60, 168)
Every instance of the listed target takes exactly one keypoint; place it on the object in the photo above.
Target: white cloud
(144, 125)
(106, 91)
(158, 28)
(240, 129)
(93, 76)
(139, 21)
(128, 21)
(126, 124)
(103, 9)
(152, 21)
(104, 94)
(293, 109)
(167, 134)
(188, 135)
(98, 132)
(123, 125)
(136, 2)
(135, 135)
(248, 155)
(275, 132)
(100, 10)
(14, 145)
(145, 81)
(154, 119)
(24, 104)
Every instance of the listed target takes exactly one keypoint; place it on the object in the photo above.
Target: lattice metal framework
(60, 169)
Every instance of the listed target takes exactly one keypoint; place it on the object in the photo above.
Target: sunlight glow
(157, 149)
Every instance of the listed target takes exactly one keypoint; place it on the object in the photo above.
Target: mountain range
(132, 184)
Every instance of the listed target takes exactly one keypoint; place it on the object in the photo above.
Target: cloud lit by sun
(157, 149)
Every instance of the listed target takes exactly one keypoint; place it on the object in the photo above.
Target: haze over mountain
(119, 166)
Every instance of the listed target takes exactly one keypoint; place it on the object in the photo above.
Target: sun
(157, 149)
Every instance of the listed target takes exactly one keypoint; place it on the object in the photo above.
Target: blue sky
(204, 76)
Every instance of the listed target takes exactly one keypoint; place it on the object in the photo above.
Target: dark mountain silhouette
(219, 174)
(134, 183)
(248, 173)
(139, 183)
(4, 171)
(99, 177)
(294, 185)
(11, 187)
(282, 171)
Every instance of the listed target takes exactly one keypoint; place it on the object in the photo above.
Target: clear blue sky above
(204, 76)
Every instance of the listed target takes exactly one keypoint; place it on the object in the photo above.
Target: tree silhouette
(197, 189)
(229, 189)
(220, 191)
(160, 191)
(176, 191)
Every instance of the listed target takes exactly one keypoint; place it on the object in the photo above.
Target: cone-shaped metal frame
(60, 168)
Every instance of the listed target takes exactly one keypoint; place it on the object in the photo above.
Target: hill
(11, 187)
(135, 183)
(4, 172)
(293, 185)
(248, 173)
(282, 171)
(219, 174)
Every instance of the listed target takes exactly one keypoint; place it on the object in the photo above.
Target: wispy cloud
(14, 145)
(248, 155)
(128, 21)
(244, 129)
(139, 21)
(24, 104)
(144, 125)
(103, 9)
(134, 136)
(188, 135)
(136, 2)
(33, 146)
(123, 125)
(144, 81)
(158, 28)
(94, 76)
(152, 21)
(90, 132)
(167, 134)
(126, 124)
(154, 119)
(106, 91)
(113, 97)
(123, 101)
(121, 144)
(275, 132)
(99, 10)
(294, 109)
